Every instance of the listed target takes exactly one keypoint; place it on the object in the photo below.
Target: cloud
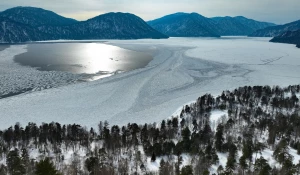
(278, 11)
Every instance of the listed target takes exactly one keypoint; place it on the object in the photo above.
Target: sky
(277, 11)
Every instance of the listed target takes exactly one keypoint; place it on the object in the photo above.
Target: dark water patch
(81, 58)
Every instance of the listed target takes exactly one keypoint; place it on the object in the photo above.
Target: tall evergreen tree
(14, 163)
(45, 167)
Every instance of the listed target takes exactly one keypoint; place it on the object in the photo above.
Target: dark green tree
(92, 164)
(262, 167)
(187, 170)
(153, 157)
(14, 163)
(45, 167)
(219, 138)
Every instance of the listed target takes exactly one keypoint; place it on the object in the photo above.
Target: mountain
(36, 16)
(107, 26)
(185, 25)
(277, 30)
(238, 25)
(194, 24)
(11, 31)
(21, 24)
(291, 37)
(253, 24)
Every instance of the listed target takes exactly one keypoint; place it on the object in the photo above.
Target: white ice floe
(182, 70)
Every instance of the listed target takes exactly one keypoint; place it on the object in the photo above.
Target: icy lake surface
(61, 63)
(78, 58)
(182, 70)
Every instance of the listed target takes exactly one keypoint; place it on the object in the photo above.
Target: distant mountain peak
(184, 25)
(21, 24)
(194, 24)
(34, 16)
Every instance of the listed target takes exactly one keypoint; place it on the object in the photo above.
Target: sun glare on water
(100, 56)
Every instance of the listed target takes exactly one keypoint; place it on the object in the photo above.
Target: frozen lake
(78, 58)
(54, 64)
(182, 69)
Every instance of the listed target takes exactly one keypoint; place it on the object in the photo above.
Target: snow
(268, 155)
(222, 161)
(154, 166)
(215, 118)
(178, 111)
(296, 157)
(182, 70)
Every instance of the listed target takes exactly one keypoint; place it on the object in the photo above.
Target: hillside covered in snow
(249, 130)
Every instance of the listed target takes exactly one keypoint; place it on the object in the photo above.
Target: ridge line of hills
(194, 25)
(23, 24)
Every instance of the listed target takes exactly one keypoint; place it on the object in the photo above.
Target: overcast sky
(277, 11)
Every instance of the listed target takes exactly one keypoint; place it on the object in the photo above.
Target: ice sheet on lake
(182, 70)
(15, 79)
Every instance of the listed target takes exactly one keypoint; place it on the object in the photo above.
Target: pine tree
(92, 164)
(262, 167)
(45, 167)
(187, 170)
(231, 162)
(162, 167)
(14, 163)
(153, 157)
(219, 138)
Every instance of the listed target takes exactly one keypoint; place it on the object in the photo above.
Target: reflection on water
(89, 58)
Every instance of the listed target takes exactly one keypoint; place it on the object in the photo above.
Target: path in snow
(182, 70)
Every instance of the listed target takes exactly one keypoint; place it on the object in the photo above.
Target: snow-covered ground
(216, 117)
(182, 70)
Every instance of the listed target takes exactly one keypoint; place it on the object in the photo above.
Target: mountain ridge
(184, 25)
(274, 31)
(34, 16)
(194, 24)
(51, 26)
(290, 37)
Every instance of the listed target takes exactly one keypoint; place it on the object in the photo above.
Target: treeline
(259, 118)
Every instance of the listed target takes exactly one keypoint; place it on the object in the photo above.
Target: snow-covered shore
(182, 70)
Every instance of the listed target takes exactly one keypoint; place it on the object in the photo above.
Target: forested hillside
(274, 31)
(291, 37)
(23, 24)
(249, 130)
(196, 25)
